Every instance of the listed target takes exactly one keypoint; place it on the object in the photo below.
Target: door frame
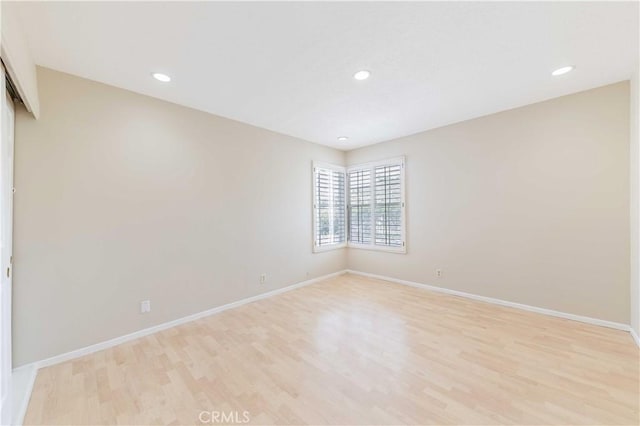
(7, 121)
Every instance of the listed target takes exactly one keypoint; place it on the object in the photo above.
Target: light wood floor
(353, 350)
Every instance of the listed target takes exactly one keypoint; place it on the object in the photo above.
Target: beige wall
(121, 198)
(529, 205)
(17, 57)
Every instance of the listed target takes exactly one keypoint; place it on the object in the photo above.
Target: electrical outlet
(145, 306)
(439, 273)
(263, 278)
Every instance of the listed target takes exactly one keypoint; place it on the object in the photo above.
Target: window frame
(403, 217)
(335, 246)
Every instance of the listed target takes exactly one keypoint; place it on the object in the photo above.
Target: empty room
(319, 213)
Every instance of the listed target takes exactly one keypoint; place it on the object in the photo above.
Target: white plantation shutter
(329, 206)
(388, 205)
(376, 210)
(364, 207)
(360, 200)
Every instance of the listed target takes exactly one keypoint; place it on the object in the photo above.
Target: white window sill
(328, 247)
(399, 250)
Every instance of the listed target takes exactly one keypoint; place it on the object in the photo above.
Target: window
(376, 205)
(360, 224)
(362, 207)
(329, 207)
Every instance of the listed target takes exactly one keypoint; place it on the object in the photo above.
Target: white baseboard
(22, 381)
(147, 331)
(545, 311)
(635, 336)
(26, 374)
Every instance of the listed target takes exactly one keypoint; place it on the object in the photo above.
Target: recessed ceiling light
(161, 77)
(362, 75)
(343, 138)
(562, 70)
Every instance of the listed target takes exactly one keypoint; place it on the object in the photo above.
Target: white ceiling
(288, 66)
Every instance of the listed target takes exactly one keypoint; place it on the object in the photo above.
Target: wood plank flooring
(353, 350)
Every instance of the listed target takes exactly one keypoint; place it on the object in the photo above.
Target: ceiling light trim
(162, 77)
(563, 70)
(362, 75)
